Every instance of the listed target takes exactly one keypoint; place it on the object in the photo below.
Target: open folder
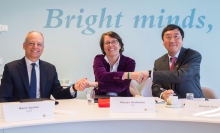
(37, 100)
(102, 97)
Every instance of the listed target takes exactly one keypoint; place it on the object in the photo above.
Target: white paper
(65, 112)
(209, 109)
(159, 100)
(132, 104)
(28, 111)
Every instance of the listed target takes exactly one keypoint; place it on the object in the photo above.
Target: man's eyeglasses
(168, 37)
(114, 42)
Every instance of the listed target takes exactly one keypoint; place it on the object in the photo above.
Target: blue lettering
(118, 20)
(92, 31)
(50, 16)
(144, 20)
(80, 19)
(191, 17)
(170, 19)
(160, 19)
(201, 22)
(68, 20)
(102, 19)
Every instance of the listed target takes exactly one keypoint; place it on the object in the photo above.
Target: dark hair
(172, 27)
(112, 35)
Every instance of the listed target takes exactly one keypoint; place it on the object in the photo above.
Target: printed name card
(132, 104)
(28, 111)
(209, 109)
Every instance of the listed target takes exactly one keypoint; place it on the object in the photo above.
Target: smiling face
(172, 41)
(111, 46)
(33, 46)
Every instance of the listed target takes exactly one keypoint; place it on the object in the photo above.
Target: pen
(162, 89)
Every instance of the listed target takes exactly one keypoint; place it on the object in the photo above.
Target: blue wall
(72, 30)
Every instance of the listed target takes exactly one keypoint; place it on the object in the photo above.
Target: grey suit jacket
(184, 79)
(15, 82)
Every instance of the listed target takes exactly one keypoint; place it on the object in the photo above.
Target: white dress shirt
(37, 69)
(113, 68)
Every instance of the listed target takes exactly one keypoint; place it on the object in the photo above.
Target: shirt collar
(116, 63)
(28, 62)
(177, 54)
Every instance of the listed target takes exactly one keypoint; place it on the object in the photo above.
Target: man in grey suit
(182, 77)
(30, 77)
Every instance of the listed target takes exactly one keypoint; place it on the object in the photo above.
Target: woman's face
(111, 46)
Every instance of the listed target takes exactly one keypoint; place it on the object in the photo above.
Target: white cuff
(161, 95)
(72, 92)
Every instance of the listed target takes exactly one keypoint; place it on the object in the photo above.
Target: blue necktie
(33, 83)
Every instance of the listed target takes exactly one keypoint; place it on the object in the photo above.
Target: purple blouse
(112, 81)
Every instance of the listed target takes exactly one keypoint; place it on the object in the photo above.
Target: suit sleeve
(57, 90)
(186, 71)
(111, 81)
(6, 88)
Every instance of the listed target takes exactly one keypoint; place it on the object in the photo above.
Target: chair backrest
(133, 89)
(146, 88)
(209, 93)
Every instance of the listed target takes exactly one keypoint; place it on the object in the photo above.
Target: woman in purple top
(113, 71)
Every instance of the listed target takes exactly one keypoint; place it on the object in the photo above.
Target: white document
(65, 112)
(159, 100)
(132, 104)
(28, 111)
(209, 109)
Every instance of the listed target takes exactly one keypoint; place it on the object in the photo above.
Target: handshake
(140, 77)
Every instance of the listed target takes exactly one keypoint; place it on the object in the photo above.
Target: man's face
(172, 41)
(33, 46)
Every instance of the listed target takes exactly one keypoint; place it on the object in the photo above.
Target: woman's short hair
(112, 35)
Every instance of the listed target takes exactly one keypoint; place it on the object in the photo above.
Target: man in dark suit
(20, 81)
(180, 76)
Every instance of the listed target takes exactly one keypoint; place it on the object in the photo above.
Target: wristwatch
(74, 88)
(149, 73)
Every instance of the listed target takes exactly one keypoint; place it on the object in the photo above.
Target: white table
(93, 119)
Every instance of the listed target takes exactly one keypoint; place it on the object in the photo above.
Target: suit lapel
(180, 58)
(166, 63)
(22, 68)
(43, 76)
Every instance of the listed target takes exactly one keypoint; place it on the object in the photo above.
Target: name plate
(209, 109)
(132, 104)
(28, 111)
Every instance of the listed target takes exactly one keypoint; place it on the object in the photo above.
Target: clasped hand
(83, 83)
(140, 77)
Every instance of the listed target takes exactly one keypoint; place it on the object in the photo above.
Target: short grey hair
(32, 32)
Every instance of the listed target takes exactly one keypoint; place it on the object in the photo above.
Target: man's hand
(81, 84)
(167, 93)
(140, 77)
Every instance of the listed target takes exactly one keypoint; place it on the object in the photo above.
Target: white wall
(73, 52)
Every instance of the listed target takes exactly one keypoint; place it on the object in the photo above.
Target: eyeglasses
(169, 37)
(114, 42)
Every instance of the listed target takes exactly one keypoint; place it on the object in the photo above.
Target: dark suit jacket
(184, 79)
(15, 82)
(112, 81)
